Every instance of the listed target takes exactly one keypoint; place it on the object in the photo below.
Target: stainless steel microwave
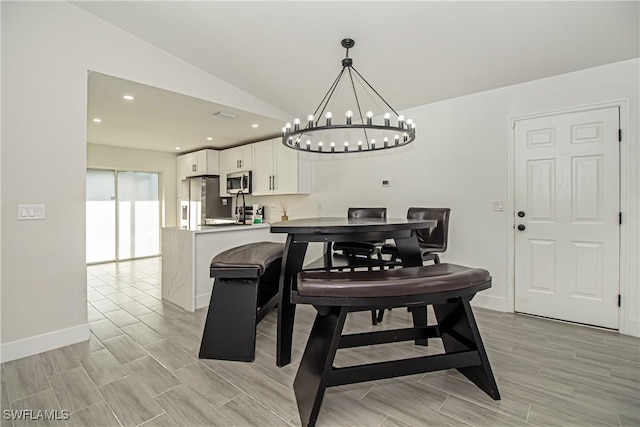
(239, 181)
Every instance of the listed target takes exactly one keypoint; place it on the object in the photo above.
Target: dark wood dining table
(301, 232)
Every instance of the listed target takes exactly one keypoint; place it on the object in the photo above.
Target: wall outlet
(29, 212)
(498, 205)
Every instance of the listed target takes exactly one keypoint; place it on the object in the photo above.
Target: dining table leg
(292, 262)
(409, 253)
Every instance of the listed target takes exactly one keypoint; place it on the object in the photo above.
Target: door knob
(521, 214)
(521, 227)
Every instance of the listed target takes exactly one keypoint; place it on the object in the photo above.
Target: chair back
(435, 238)
(367, 213)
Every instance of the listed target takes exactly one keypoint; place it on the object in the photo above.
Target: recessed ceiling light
(97, 120)
(128, 97)
(209, 138)
(255, 125)
(177, 148)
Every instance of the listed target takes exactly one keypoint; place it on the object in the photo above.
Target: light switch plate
(386, 182)
(30, 212)
(498, 205)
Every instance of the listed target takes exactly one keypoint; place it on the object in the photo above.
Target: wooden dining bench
(244, 290)
(447, 287)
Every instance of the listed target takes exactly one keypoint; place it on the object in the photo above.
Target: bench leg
(230, 330)
(419, 315)
(316, 364)
(460, 333)
(291, 264)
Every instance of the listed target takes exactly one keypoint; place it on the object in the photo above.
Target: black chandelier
(356, 134)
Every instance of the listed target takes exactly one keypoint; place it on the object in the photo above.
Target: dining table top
(329, 225)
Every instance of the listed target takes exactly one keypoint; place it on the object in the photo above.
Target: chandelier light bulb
(400, 121)
(387, 119)
(310, 120)
(373, 144)
(284, 131)
(359, 145)
(296, 125)
(369, 117)
(396, 139)
(349, 115)
(386, 142)
(328, 116)
(346, 146)
(405, 137)
(333, 147)
(320, 146)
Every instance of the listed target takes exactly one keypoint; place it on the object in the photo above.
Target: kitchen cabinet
(203, 162)
(224, 170)
(279, 170)
(240, 158)
(181, 173)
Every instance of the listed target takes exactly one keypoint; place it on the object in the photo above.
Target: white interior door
(567, 203)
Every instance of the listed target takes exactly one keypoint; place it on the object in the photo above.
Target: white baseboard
(490, 302)
(631, 327)
(40, 343)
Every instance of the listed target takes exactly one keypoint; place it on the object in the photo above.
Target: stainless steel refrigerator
(203, 202)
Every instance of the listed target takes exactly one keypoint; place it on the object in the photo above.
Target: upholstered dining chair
(361, 254)
(431, 241)
(362, 249)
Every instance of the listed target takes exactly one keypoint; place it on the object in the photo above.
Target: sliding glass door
(101, 216)
(123, 215)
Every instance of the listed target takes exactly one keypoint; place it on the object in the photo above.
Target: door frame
(624, 326)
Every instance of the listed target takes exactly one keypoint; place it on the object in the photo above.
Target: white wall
(47, 49)
(460, 159)
(110, 157)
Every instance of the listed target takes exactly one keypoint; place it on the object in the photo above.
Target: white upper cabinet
(224, 170)
(203, 162)
(279, 170)
(240, 158)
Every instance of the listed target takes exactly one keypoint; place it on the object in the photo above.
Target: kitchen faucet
(244, 207)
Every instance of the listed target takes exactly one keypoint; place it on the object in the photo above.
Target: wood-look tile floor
(140, 368)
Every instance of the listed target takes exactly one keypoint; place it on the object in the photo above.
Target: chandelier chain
(375, 91)
(327, 96)
(355, 94)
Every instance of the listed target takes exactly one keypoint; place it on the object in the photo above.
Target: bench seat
(449, 288)
(245, 289)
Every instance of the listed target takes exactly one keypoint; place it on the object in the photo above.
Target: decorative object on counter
(283, 207)
(358, 133)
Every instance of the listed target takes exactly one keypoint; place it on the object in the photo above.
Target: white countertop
(221, 228)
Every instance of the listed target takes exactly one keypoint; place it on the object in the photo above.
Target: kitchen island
(187, 254)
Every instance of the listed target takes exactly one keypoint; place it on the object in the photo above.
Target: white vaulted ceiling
(288, 53)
